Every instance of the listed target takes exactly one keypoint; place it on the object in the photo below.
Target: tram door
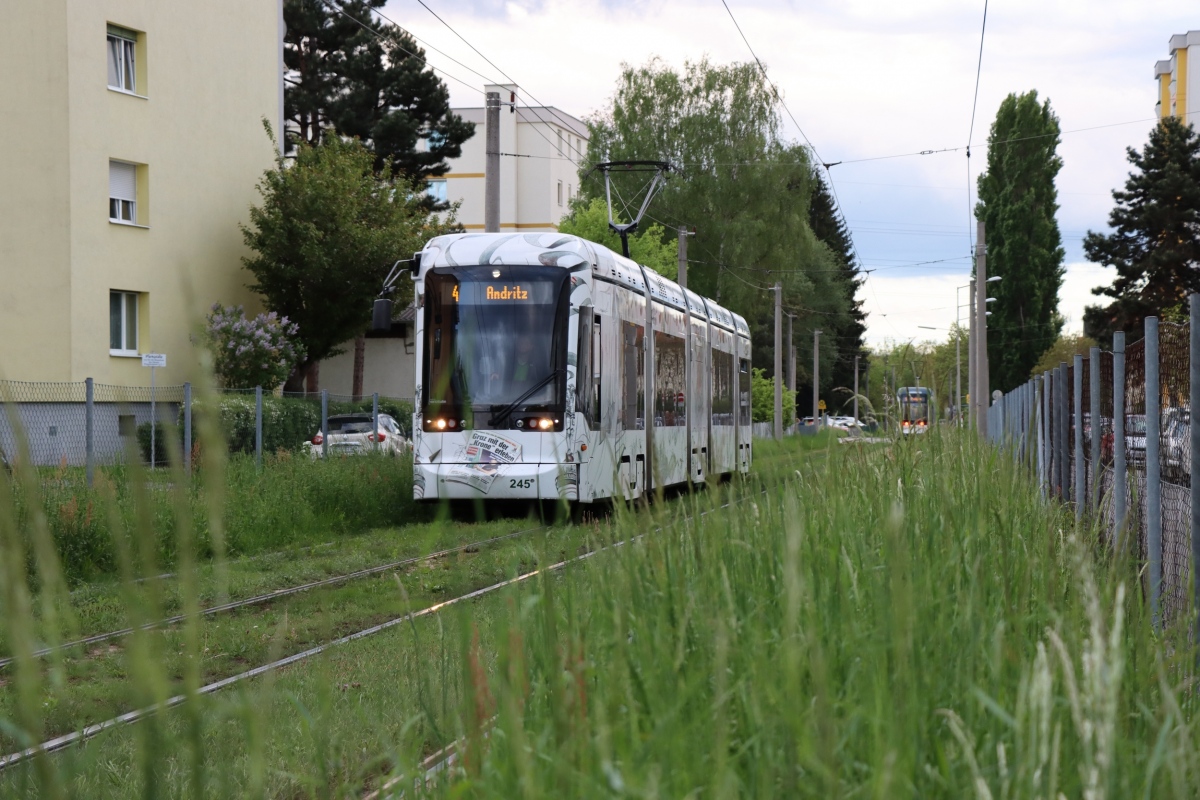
(698, 403)
(632, 423)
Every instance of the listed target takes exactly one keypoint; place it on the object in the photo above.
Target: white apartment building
(541, 148)
(1179, 79)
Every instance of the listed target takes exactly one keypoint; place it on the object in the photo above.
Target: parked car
(351, 434)
(1177, 446)
(1135, 439)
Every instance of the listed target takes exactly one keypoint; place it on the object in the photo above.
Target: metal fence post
(1120, 476)
(325, 423)
(1043, 455)
(89, 429)
(1153, 487)
(375, 418)
(187, 427)
(1094, 413)
(1077, 420)
(258, 427)
(1194, 445)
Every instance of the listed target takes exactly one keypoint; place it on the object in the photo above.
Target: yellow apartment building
(1179, 79)
(132, 141)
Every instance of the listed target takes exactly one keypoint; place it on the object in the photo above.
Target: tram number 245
(520, 483)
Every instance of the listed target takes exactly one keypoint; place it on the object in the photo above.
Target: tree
(744, 189)
(846, 330)
(1065, 348)
(1155, 243)
(251, 352)
(323, 240)
(359, 78)
(762, 399)
(649, 246)
(1017, 203)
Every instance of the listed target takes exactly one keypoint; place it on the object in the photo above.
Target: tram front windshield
(915, 407)
(495, 346)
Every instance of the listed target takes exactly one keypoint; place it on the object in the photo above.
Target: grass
(885, 621)
(292, 501)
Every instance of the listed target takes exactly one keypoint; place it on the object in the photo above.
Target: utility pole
(980, 399)
(791, 374)
(683, 237)
(971, 375)
(958, 376)
(778, 362)
(491, 166)
(856, 389)
(817, 378)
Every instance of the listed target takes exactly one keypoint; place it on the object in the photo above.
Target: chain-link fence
(84, 424)
(1110, 434)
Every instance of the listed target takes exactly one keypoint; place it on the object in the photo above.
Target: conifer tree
(1155, 243)
(352, 74)
(1017, 203)
(847, 329)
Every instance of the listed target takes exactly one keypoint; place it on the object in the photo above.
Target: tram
(915, 403)
(551, 368)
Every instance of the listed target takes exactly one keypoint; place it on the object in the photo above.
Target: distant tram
(551, 368)
(915, 404)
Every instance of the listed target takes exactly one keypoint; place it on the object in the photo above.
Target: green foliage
(1065, 348)
(744, 189)
(160, 442)
(1155, 243)
(762, 399)
(1018, 202)
(844, 332)
(373, 85)
(287, 422)
(293, 500)
(932, 364)
(651, 246)
(324, 238)
(251, 352)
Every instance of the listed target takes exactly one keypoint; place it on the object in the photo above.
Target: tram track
(274, 594)
(64, 741)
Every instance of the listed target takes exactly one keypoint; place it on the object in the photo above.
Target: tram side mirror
(414, 266)
(381, 315)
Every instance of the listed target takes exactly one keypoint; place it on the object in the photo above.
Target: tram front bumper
(517, 481)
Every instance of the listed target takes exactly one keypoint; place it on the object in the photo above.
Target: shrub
(287, 423)
(252, 352)
(160, 441)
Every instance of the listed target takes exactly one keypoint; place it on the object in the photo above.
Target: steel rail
(83, 734)
(274, 594)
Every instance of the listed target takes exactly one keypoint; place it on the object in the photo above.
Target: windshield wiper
(502, 414)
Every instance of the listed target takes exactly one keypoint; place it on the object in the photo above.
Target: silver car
(1177, 446)
(351, 434)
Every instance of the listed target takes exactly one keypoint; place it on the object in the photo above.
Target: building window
(437, 190)
(560, 193)
(123, 323)
(570, 193)
(560, 143)
(122, 192)
(122, 71)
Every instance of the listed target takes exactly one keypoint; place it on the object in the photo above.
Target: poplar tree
(1017, 203)
(1155, 243)
(354, 75)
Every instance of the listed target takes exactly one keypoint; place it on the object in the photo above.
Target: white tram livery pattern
(550, 367)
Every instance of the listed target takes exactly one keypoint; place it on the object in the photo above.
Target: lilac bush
(252, 352)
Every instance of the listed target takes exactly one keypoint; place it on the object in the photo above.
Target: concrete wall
(388, 368)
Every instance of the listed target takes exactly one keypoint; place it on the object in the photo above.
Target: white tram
(532, 379)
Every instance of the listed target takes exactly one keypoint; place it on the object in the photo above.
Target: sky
(871, 83)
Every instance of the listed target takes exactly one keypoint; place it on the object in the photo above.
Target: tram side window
(669, 409)
(744, 390)
(722, 388)
(634, 378)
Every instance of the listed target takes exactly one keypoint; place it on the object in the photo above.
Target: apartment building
(1179, 79)
(541, 148)
(133, 140)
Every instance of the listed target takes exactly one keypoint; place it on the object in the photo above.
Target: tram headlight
(545, 424)
(441, 424)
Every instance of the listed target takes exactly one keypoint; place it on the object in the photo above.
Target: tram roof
(573, 253)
